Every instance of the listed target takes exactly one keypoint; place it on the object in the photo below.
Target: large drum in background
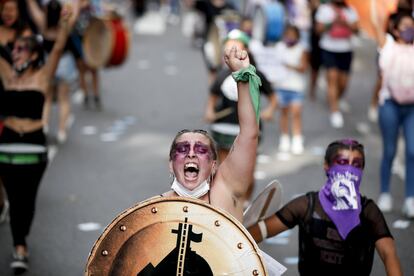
(268, 22)
(175, 236)
(105, 42)
(264, 205)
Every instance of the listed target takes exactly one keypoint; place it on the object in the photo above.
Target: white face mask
(20, 69)
(197, 192)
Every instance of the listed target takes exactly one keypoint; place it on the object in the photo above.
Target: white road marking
(401, 224)
(89, 226)
(109, 137)
(89, 130)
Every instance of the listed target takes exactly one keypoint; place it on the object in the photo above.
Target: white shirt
(326, 15)
(267, 60)
(386, 63)
(290, 79)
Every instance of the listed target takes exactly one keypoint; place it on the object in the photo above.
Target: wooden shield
(175, 236)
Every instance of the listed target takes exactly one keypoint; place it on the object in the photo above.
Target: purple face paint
(340, 197)
(350, 142)
(341, 160)
(182, 149)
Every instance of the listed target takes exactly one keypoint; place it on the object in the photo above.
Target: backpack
(399, 76)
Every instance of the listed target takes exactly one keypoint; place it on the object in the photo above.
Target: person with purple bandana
(338, 227)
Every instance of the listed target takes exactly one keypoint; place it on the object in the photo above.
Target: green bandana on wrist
(249, 75)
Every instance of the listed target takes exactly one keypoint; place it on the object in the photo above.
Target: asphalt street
(117, 157)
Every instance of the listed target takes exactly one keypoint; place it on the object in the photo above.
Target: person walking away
(23, 151)
(396, 101)
(291, 88)
(336, 22)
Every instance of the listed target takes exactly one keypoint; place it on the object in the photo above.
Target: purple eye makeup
(342, 161)
(182, 149)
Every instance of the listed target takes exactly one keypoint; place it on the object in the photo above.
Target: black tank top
(322, 252)
(22, 104)
(6, 52)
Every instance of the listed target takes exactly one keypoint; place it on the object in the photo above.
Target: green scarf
(249, 75)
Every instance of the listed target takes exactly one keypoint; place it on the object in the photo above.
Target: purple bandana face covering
(407, 35)
(340, 197)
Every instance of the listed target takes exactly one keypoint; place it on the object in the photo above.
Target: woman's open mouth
(191, 171)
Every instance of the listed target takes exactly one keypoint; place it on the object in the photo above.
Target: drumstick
(223, 113)
(266, 205)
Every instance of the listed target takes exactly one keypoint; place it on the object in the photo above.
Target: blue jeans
(392, 116)
(287, 97)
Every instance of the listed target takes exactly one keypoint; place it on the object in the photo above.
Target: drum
(268, 22)
(267, 203)
(106, 42)
(224, 134)
(217, 32)
(175, 236)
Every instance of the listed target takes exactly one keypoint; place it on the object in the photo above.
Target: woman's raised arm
(67, 20)
(237, 169)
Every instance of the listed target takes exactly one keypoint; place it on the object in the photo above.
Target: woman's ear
(171, 167)
(325, 167)
(34, 56)
(214, 167)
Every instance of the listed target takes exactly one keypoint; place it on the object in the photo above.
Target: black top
(322, 251)
(22, 104)
(228, 93)
(6, 52)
